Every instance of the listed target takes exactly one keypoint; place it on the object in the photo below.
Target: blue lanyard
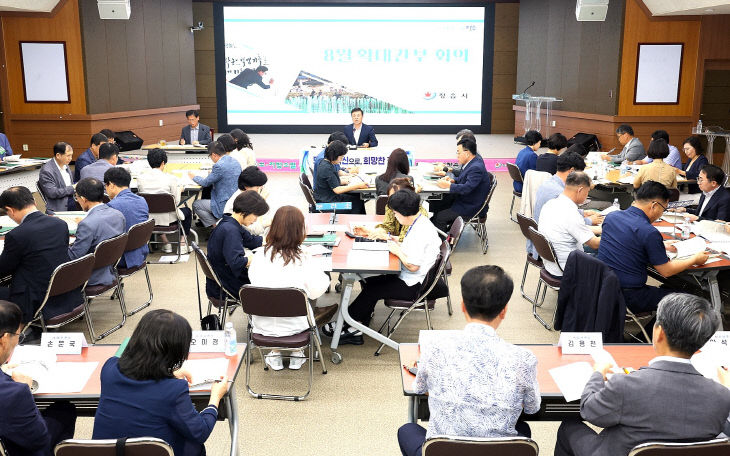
(411, 227)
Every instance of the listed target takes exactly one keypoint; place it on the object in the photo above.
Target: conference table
(87, 400)
(178, 148)
(553, 406)
(21, 173)
(345, 261)
(422, 176)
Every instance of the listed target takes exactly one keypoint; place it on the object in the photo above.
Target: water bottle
(686, 227)
(230, 340)
(616, 204)
(624, 168)
(699, 126)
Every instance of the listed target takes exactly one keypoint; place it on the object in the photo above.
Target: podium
(535, 109)
(711, 136)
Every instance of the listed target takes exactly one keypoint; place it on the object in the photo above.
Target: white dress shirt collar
(673, 359)
(707, 195)
(64, 173)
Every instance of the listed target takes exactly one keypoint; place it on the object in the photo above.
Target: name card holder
(208, 342)
(580, 343)
(64, 343)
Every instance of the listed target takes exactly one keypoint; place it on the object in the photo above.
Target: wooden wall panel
(638, 28)
(205, 65)
(504, 68)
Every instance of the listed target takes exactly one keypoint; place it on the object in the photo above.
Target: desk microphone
(528, 87)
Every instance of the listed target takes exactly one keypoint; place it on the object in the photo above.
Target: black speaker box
(127, 140)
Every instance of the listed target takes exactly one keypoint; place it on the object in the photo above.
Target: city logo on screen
(428, 95)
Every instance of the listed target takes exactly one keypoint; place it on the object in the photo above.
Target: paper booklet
(690, 247)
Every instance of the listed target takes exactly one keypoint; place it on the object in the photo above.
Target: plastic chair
(225, 300)
(478, 222)
(715, 447)
(139, 446)
(66, 277)
(107, 254)
(525, 224)
(546, 251)
(426, 299)
(516, 175)
(306, 188)
(380, 204)
(472, 446)
(453, 237)
(138, 236)
(280, 302)
(159, 203)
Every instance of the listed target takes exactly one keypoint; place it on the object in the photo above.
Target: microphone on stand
(527, 88)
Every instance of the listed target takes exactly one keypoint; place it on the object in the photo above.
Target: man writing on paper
(666, 401)
(24, 430)
(477, 384)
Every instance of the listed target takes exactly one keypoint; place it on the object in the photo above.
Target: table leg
(348, 280)
(345, 312)
(232, 411)
(412, 404)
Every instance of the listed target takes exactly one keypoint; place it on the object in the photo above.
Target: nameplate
(208, 342)
(580, 343)
(334, 206)
(64, 343)
(719, 341)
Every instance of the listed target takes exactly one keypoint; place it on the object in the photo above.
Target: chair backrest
(380, 204)
(489, 196)
(109, 251)
(543, 246)
(514, 172)
(307, 190)
(305, 180)
(139, 446)
(139, 234)
(160, 203)
(457, 228)
(715, 447)
(673, 195)
(202, 259)
(436, 271)
(70, 275)
(498, 446)
(273, 302)
(45, 201)
(525, 224)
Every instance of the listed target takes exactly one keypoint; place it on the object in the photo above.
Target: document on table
(205, 371)
(325, 228)
(572, 379)
(666, 229)
(708, 361)
(690, 247)
(370, 245)
(608, 210)
(368, 225)
(316, 249)
(368, 258)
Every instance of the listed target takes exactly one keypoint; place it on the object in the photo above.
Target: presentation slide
(294, 65)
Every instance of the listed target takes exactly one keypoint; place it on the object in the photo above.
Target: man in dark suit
(666, 401)
(32, 251)
(467, 192)
(358, 133)
(56, 181)
(195, 132)
(714, 203)
(23, 428)
(249, 77)
(90, 155)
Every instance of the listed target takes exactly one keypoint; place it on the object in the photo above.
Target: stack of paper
(572, 379)
(51, 376)
(205, 371)
(368, 259)
(608, 210)
(370, 245)
(690, 247)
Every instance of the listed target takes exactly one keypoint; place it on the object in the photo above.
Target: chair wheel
(336, 358)
(338, 288)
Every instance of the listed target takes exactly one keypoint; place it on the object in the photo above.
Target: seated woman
(244, 149)
(251, 178)
(390, 226)
(548, 162)
(328, 188)
(696, 160)
(227, 241)
(417, 253)
(283, 263)
(144, 393)
(397, 167)
(657, 170)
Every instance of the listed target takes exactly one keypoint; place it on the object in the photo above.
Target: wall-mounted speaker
(114, 9)
(591, 10)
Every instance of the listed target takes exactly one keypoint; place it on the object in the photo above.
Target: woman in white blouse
(244, 149)
(283, 263)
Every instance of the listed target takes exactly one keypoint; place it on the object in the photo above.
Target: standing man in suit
(108, 154)
(467, 192)
(56, 181)
(133, 207)
(633, 149)
(101, 223)
(358, 133)
(32, 251)
(195, 132)
(90, 155)
(714, 203)
(666, 401)
(23, 428)
(223, 179)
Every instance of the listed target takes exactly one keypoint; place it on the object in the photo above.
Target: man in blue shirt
(223, 179)
(629, 243)
(90, 155)
(5, 149)
(527, 157)
(133, 207)
(674, 158)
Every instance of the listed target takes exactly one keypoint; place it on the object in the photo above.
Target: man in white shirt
(358, 133)
(563, 225)
(56, 181)
(714, 203)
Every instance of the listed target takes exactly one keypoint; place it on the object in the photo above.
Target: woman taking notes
(145, 394)
(283, 263)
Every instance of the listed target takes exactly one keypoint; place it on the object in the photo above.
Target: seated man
(56, 181)
(477, 384)
(25, 430)
(157, 181)
(666, 401)
(335, 136)
(101, 223)
(108, 155)
(90, 155)
(5, 149)
(629, 243)
(358, 133)
(33, 250)
(441, 169)
(228, 240)
(674, 158)
(133, 207)
(467, 192)
(223, 179)
(548, 162)
(527, 157)
(251, 178)
(563, 225)
(329, 188)
(714, 203)
(633, 149)
(418, 253)
(195, 132)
